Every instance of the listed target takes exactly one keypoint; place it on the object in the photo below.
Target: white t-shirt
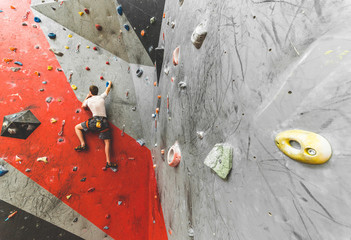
(96, 105)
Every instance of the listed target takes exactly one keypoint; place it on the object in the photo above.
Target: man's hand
(89, 95)
(108, 87)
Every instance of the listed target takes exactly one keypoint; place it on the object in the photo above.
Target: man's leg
(107, 149)
(79, 132)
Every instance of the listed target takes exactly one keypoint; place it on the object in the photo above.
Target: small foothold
(75, 220)
(37, 20)
(98, 27)
(24, 24)
(74, 87)
(172, 24)
(34, 26)
(153, 115)
(199, 35)
(176, 56)
(57, 53)
(41, 89)
(155, 84)
(86, 11)
(88, 47)
(27, 170)
(52, 35)
(152, 20)
(142, 33)
(119, 203)
(91, 189)
(107, 63)
(107, 216)
(120, 10)
(151, 48)
(95, 48)
(182, 85)
(157, 110)
(83, 179)
(154, 166)
(50, 68)
(53, 8)
(126, 26)
(48, 99)
(13, 49)
(42, 159)
(60, 139)
(53, 120)
(18, 159)
(141, 142)
(106, 227)
(200, 134)
(36, 46)
(101, 78)
(18, 63)
(78, 111)
(159, 96)
(75, 169)
(134, 108)
(67, 47)
(69, 196)
(70, 35)
(12, 7)
(44, 82)
(3, 171)
(139, 72)
(15, 69)
(87, 68)
(81, 13)
(59, 69)
(162, 151)
(37, 73)
(104, 169)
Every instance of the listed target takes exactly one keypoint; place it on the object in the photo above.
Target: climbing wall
(69, 194)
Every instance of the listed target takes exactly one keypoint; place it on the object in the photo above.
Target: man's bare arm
(108, 88)
(88, 96)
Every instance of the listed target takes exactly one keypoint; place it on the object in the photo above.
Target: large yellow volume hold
(304, 146)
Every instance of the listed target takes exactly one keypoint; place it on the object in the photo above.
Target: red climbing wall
(128, 196)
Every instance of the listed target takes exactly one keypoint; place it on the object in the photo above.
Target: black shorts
(98, 124)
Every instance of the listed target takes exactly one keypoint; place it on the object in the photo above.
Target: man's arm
(108, 87)
(84, 104)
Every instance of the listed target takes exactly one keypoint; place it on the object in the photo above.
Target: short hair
(93, 89)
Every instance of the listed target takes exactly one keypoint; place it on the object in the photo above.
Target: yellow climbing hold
(327, 52)
(304, 146)
(74, 87)
(69, 35)
(81, 13)
(53, 120)
(67, 47)
(69, 196)
(42, 159)
(88, 46)
(49, 68)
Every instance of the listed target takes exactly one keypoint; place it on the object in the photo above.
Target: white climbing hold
(42, 159)
(182, 85)
(200, 134)
(199, 35)
(220, 159)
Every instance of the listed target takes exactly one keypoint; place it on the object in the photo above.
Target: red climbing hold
(95, 48)
(86, 11)
(98, 27)
(108, 63)
(107, 216)
(101, 77)
(87, 68)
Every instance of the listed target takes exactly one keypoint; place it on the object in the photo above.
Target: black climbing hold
(126, 26)
(52, 35)
(141, 142)
(139, 72)
(60, 140)
(19, 125)
(83, 179)
(75, 169)
(159, 61)
(75, 220)
(37, 20)
(120, 10)
(48, 99)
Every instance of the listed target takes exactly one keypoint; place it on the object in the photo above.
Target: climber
(98, 123)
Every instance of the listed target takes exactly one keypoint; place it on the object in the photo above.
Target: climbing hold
(101, 78)
(18, 63)
(141, 142)
(81, 13)
(41, 90)
(119, 203)
(7, 60)
(107, 63)
(95, 48)
(159, 96)
(18, 159)
(126, 26)
(142, 33)
(53, 120)
(134, 108)
(88, 47)
(75, 169)
(69, 196)
(48, 99)
(24, 24)
(37, 73)
(162, 151)
(52, 35)
(10, 216)
(37, 20)
(172, 24)
(182, 85)
(42, 159)
(107, 83)
(91, 189)
(157, 110)
(139, 72)
(53, 8)
(86, 11)
(152, 20)
(13, 49)
(74, 87)
(75, 220)
(106, 227)
(70, 35)
(199, 35)
(107, 216)
(174, 155)
(44, 82)
(150, 49)
(12, 7)
(60, 140)
(83, 179)
(28, 170)
(15, 69)
(98, 27)
(120, 10)
(220, 159)
(3, 171)
(154, 166)
(34, 26)
(155, 84)
(57, 53)
(36, 46)
(200, 134)
(176, 56)
(153, 115)
(49, 68)
(1, 11)
(87, 68)
(67, 47)
(304, 146)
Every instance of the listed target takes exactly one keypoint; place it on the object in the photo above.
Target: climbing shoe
(81, 148)
(113, 166)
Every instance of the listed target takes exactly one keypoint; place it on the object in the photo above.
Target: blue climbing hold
(52, 35)
(106, 228)
(107, 83)
(3, 171)
(120, 10)
(37, 20)
(18, 63)
(1, 11)
(126, 26)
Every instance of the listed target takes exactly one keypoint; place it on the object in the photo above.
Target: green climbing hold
(220, 159)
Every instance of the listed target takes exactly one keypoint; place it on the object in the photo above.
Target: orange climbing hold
(155, 83)
(159, 96)
(7, 60)
(12, 7)
(142, 33)
(13, 49)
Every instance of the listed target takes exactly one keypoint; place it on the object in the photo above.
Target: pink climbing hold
(98, 27)
(176, 56)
